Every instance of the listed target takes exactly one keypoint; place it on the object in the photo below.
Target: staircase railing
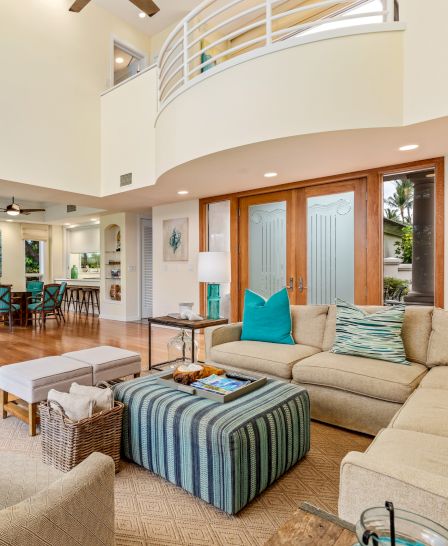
(220, 30)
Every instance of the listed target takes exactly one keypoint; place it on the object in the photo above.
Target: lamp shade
(214, 267)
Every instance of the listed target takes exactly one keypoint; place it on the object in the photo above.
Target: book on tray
(219, 384)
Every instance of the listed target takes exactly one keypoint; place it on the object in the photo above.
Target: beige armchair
(40, 505)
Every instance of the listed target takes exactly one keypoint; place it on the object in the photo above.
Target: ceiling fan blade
(78, 5)
(28, 211)
(147, 6)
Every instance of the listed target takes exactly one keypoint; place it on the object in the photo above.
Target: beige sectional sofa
(406, 406)
(356, 393)
(407, 462)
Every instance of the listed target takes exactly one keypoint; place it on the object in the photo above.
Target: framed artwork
(175, 240)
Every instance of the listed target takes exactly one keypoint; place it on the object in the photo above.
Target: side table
(183, 324)
(310, 526)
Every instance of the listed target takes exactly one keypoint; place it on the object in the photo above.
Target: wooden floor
(81, 332)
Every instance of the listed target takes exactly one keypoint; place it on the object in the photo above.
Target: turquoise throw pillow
(267, 320)
(370, 335)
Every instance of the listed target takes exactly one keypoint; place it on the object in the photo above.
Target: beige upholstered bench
(108, 362)
(30, 381)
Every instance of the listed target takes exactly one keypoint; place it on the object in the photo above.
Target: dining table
(20, 297)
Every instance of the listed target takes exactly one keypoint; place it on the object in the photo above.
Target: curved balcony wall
(351, 80)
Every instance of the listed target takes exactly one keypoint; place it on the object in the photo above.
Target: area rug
(151, 511)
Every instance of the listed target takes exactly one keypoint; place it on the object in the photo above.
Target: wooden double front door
(311, 240)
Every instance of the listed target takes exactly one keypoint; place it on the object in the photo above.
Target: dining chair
(7, 307)
(35, 288)
(61, 295)
(47, 304)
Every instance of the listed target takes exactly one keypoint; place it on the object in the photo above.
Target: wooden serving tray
(168, 381)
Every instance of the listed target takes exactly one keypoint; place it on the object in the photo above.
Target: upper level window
(127, 62)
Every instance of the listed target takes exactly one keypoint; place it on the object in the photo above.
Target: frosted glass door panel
(331, 247)
(219, 241)
(267, 248)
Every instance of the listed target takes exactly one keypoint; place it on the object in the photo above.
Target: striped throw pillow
(376, 335)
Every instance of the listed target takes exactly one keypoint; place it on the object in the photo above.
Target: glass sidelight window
(409, 237)
(218, 240)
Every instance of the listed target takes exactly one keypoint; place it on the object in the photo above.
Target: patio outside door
(311, 240)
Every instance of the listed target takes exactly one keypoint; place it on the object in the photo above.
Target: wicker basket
(66, 443)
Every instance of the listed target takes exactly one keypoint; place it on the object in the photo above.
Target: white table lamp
(213, 269)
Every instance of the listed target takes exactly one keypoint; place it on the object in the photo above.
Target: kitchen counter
(95, 281)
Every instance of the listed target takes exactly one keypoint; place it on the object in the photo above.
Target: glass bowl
(410, 529)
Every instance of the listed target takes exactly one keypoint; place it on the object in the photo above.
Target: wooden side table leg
(3, 402)
(32, 418)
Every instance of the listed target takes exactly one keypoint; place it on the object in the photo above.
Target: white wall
(175, 282)
(351, 82)
(128, 113)
(83, 239)
(425, 68)
(55, 64)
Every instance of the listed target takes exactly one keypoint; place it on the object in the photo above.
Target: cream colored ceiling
(170, 12)
(295, 158)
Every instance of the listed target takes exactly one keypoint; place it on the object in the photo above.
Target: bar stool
(73, 298)
(96, 297)
(86, 299)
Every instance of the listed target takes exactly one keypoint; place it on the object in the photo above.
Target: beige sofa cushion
(272, 358)
(308, 324)
(436, 378)
(438, 342)
(416, 331)
(425, 411)
(365, 376)
(417, 327)
(409, 468)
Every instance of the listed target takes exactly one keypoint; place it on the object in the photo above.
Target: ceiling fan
(146, 6)
(14, 209)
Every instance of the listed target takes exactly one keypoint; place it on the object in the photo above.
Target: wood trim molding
(373, 221)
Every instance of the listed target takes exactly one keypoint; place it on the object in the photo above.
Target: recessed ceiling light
(93, 219)
(183, 192)
(119, 60)
(270, 175)
(73, 225)
(408, 147)
(9, 220)
(142, 15)
(66, 224)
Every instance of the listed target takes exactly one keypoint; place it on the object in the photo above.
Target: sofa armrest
(75, 509)
(217, 335)
(366, 481)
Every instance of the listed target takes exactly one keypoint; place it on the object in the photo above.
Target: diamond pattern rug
(151, 511)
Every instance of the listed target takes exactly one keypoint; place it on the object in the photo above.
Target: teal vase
(213, 299)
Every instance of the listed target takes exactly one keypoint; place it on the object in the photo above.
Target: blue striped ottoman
(226, 454)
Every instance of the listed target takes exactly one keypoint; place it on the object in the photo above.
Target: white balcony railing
(220, 30)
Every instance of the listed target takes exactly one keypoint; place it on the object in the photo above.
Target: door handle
(301, 287)
(290, 285)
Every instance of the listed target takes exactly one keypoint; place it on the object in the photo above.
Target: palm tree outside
(401, 202)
